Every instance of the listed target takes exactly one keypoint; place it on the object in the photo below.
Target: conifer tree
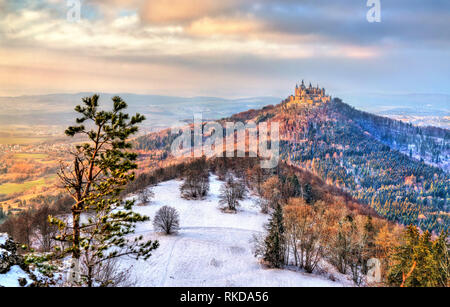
(275, 242)
(420, 261)
(441, 255)
(102, 167)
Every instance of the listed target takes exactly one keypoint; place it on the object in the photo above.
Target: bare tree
(231, 192)
(45, 232)
(241, 189)
(263, 204)
(167, 220)
(306, 232)
(271, 191)
(145, 196)
(258, 244)
(24, 228)
(107, 274)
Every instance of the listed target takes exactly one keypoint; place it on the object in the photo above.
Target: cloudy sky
(231, 48)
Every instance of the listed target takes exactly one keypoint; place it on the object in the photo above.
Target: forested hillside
(428, 144)
(359, 152)
(399, 170)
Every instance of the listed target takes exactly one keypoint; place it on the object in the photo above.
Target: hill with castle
(399, 170)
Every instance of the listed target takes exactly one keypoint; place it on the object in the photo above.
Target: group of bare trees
(196, 180)
(32, 228)
(306, 233)
(314, 232)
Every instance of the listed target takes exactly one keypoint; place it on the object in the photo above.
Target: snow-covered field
(212, 248)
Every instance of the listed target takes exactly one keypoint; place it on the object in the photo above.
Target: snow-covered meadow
(212, 248)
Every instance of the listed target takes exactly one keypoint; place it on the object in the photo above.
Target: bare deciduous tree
(45, 232)
(107, 274)
(231, 192)
(167, 220)
(145, 196)
(306, 232)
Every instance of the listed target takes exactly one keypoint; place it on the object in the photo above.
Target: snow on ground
(211, 249)
(11, 278)
(3, 238)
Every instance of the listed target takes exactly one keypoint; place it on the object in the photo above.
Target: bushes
(167, 220)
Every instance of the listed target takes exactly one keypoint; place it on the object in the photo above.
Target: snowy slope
(11, 278)
(212, 248)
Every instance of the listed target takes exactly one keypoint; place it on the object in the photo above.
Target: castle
(310, 95)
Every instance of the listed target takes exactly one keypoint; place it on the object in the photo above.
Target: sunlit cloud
(224, 26)
(170, 41)
(182, 11)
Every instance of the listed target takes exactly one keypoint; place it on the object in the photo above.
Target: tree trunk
(74, 272)
(89, 276)
(76, 235)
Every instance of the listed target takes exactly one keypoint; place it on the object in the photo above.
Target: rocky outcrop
(14, 272)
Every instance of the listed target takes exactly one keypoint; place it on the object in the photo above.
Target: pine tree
(275, 241)
(441, 255)
(102, 167)
(420, 261)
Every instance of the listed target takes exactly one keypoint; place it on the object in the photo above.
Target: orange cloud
(181, 11)
(227, 26)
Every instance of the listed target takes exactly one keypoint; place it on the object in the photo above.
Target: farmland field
(21, 140)
(11, 188)
(30, 156)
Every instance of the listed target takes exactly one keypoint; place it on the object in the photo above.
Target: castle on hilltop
(310, 95)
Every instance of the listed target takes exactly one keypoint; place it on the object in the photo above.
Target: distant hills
(164, 111)
(161, 111)
(418, 109)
